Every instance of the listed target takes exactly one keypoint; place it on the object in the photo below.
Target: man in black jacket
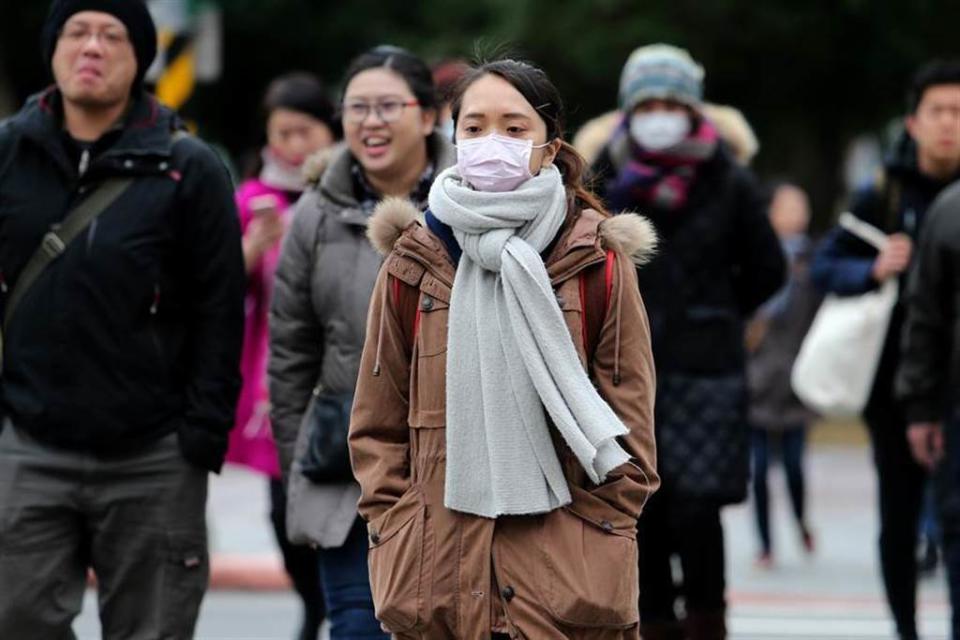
(930, 369)
(924, 162)
(120, 357)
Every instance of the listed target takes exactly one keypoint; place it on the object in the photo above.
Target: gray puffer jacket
(318, 315)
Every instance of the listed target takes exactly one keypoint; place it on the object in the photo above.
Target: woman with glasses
(318, 315)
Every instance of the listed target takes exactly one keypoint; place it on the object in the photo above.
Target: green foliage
(809, 74)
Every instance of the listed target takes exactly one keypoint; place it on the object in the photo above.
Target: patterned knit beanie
(661, 71)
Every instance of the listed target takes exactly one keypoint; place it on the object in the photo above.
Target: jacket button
(507, 593)
(374, 537)
(128, 164)
(607, 526)
(427, 303)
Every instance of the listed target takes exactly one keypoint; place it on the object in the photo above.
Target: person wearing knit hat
(141, 32)
(719, 260)
(122, 292)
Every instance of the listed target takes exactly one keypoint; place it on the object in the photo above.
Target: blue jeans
(346, 588)
(792, 442)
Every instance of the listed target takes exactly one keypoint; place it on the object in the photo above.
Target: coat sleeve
(626, 378)
(843, 264)
(760, 268)
(296, 335)
(926, 340)
(214, 303)
(379, 427)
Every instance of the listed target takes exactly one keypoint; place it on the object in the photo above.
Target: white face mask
(495, 162)
(659, 130)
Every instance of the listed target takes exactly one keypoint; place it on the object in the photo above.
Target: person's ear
(428, 121)
(550, 153)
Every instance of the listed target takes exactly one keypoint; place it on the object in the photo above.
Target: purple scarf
(660, 179)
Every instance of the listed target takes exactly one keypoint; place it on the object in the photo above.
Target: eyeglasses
(357, 111)
(80, 34)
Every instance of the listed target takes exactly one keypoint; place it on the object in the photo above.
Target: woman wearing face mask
(720, 260)
(502, 431)
(299, 121)
(322, 290)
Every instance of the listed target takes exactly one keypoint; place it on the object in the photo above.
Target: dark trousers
(676, 525)
(302, 564)
(138, 520)
(345, 581)
(901, 482)
(792, 442)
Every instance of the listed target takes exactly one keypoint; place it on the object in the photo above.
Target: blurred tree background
(810, 75)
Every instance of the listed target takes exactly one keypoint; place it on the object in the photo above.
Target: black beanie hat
(132, 13)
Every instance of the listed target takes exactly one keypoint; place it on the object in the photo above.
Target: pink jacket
(251, 441)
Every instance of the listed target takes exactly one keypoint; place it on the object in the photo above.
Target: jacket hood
(734, 130)
(628, 233)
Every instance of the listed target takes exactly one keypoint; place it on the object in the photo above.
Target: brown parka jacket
(437, 573)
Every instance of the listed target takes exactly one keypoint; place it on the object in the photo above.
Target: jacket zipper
(84, 162)
(154, 335)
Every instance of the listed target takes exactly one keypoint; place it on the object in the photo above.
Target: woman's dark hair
(412, 69)
(304, 93)
(534, 85)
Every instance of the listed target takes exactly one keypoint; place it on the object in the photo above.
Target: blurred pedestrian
(924, 161)
(501, 487)
(322, 290)
(121, 279)
(930, 367)
(299, 119)
(774, 335)
(719, 261)
(446, 75)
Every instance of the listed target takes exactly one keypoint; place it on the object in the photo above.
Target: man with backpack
(121, 283)
(925, 160)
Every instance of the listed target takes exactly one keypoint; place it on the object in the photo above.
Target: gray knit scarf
(511, 355)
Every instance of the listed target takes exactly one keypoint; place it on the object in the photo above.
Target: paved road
(835, 594)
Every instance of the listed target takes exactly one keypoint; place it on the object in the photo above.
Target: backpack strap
(56, 241)
(596, 286)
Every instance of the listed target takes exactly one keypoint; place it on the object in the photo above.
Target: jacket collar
(145, 130)
(397, 226)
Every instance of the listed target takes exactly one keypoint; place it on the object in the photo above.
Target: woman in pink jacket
(299, 122)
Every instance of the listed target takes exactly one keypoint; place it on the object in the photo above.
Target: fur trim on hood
(389, 220)
(734, 130)
(316, 164)
(595, 134)
(632, 235)
(628, 233)
(730, 122)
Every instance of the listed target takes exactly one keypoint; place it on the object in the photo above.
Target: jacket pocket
(589, 564)
(185, 577)
(397, 564)
(429, 371)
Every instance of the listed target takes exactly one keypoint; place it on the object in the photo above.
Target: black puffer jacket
(717, 261)
(135, 331)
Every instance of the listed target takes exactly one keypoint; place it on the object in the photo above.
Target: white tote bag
(835, 369)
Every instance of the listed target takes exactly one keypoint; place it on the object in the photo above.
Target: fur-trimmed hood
(629, 234)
